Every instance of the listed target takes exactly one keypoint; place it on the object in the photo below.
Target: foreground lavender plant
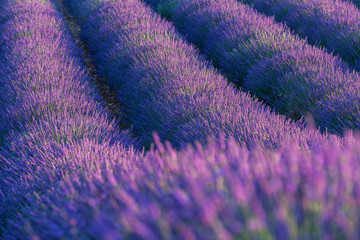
(333, 24)
(50, 106)
(221, 191)
(166, 86)
(296, 79)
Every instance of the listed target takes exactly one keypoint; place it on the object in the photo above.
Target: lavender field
(179, 119)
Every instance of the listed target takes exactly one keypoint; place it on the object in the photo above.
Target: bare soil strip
(109, 96)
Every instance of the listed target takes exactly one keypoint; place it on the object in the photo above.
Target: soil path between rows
(111, 102)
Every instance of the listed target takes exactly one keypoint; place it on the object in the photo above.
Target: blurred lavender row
(335, 24)
(220, 191)
(167, 86)
(296, 79)
(49, 105)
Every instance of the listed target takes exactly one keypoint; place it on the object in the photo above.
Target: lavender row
(166, 86)
(220, 191)
(296, 79)
(49, 104)
(333, 24)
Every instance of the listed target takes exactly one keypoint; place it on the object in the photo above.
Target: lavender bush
(167, 86)
(266, 58)
(333, 24)
(221, 191)
(49, 104)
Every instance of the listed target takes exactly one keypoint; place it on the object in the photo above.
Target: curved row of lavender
(333, 24)
(166, 86)
(296, 79)
(50, 107)
(220, 191)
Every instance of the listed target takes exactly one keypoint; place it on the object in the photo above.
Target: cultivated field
(179, 119)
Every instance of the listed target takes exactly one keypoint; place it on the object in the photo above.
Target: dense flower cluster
(253, 51)
(232, 169)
